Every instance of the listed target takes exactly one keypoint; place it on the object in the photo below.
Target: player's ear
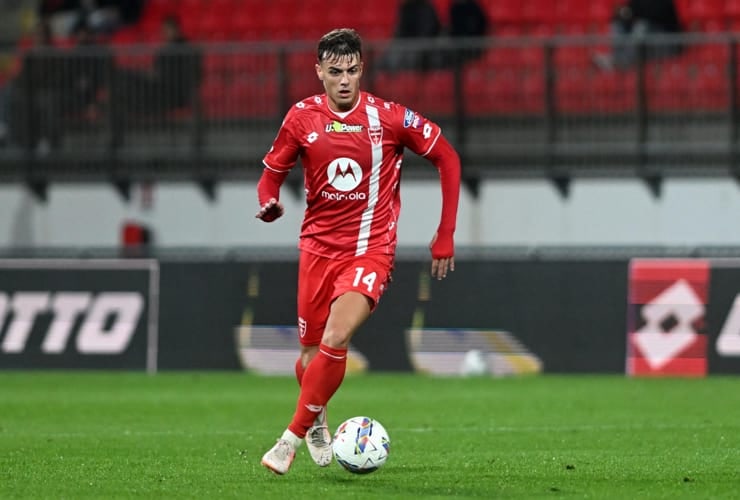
(319, 73)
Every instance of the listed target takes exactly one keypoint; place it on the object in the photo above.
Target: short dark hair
(342, 42)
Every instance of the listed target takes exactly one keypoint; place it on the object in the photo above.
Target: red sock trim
(337, 354)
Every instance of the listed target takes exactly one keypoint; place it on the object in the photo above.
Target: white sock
(291, 438)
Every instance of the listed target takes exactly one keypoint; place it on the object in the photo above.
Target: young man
(351, 145)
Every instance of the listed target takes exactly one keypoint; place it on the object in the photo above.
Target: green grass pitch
(201, 435)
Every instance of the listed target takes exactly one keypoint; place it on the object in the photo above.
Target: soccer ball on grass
(361, 445)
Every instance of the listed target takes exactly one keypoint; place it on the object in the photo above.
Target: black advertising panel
(523, 316)
(201, 304)
(723, 317)
(78, 313)
(568, 315)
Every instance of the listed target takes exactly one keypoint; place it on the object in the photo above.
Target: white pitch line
(420, 430)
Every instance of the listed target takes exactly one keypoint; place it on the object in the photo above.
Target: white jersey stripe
(374, 187)
(433, 143)
(268, 167)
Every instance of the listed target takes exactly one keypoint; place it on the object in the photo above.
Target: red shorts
(321, 280)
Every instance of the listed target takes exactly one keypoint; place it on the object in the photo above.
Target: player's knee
(307, 354)
(337, 338)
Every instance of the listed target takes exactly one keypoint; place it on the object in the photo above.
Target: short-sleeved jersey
(352, 168)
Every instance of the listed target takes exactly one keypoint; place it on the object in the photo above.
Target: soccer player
(351, 146)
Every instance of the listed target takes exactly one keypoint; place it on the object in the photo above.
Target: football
(361, 445)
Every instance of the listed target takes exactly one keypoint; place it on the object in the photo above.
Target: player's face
(341, 78)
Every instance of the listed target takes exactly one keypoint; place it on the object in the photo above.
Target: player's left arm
(447, 161)
(268, 194)
(277, 164)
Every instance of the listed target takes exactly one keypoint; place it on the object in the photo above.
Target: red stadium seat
(533, 56)
(402, 87)
(709, 90)
(218, 64)
(571, 91)
(126, 36)
(534, 12)
(703, 9)
(502, 12)
(572, 56)
(211, 27)
(250, 97)
(667, 86)
(437, 94)
(503, 56)
(732, 9)
(602, 11)
(244, 25)
(614, 92)
(568, 12)
(213, 95)
(499, 92)
(533, 90)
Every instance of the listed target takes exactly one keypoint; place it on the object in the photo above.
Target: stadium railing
(513, 106)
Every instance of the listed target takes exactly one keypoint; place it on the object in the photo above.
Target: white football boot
(279, 457)
(318, 441)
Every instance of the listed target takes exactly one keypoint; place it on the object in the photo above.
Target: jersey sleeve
(414, 131)
(285, 149)
(278, 161)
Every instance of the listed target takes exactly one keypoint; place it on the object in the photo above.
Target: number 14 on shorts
(366, 279)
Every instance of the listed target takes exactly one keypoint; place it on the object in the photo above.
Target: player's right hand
(443, 254)
(271, 210)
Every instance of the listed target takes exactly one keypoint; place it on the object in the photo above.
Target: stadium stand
(535, 82)
(509, 79)
(511, 73)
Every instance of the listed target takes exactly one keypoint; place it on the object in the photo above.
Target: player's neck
(344, 112)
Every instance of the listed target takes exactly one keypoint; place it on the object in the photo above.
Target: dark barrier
(79, 314)
(551, 315)
(723, 317)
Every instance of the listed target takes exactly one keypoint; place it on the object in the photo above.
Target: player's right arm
(425, 138)
(278, 162)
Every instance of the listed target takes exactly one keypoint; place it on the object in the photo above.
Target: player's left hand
(270, 211)
(443, 259)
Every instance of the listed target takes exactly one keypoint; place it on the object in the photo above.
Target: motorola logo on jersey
(344, 174)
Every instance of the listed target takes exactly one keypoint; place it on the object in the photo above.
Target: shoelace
(317, 434)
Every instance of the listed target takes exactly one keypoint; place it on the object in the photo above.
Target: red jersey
(351, 170)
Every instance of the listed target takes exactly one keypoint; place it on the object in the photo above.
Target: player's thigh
(368, 275)
(315, 292)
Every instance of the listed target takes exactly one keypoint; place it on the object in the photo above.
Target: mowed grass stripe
(201, 435)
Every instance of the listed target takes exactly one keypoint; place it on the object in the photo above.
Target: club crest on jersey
(336, 126)
(376, 134)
